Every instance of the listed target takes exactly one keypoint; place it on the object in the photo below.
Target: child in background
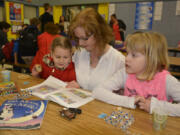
(179, 44)
(115, 27)
(146, 82)
(58, 63)
(24, 26)
(4, 28)
(62, 33)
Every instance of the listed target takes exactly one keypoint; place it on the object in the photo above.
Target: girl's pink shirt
(147, 89)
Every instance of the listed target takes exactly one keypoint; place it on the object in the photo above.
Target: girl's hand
(137, 99)
(144, 104)
(72, 84)
(35, 73)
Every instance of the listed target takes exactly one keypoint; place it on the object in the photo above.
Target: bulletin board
(144, 15)
(15, 17)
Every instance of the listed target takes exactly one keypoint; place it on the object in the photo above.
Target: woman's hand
(72, 84)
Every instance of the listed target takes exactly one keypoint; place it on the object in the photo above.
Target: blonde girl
(146, 81)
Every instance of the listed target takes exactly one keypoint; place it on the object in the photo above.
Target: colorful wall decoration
(14, 16)
(144, 15)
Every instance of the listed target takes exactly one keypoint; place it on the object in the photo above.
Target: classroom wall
(1, 13)
(57, 12)
(103, 9)
(72, 2)
(29, 12)
(169, 25)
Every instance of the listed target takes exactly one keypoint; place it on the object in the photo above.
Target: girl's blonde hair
(62, 42)
(93, 24)
(154, 46)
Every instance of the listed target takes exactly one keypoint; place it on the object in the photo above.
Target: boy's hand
(38, 68)
(35, 72)
(72, 84)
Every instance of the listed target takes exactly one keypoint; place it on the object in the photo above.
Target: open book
(54, 89)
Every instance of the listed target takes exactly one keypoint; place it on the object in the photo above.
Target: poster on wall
(15, 16)
(178, 7)
(15, 11)
(158, 10)
(144, 16)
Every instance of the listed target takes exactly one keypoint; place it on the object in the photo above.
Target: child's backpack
(28, 41)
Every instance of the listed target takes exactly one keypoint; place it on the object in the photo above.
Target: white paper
(178, 7)
(54, 89)
(49, 86)
(158, 10)
(71, 98)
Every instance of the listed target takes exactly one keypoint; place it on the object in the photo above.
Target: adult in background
(118, 27)
(115, 26)
(64, 23)
(46, 17)
(4, 28)
(45, 41)
(95, 60)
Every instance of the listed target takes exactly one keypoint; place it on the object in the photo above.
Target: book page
(71, 97)
(49, 86)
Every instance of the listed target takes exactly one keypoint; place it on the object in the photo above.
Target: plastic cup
(6, 75)
(159, 119)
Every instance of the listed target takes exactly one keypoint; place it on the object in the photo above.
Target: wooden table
(175, 64)
(174, 61)
(174, 50)
(88, 122)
